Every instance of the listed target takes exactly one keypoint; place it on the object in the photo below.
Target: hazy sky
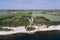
(29, 4)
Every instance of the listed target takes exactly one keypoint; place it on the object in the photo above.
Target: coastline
(23, 30)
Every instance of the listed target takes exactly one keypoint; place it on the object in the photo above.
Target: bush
(5, 29)
(30, 28)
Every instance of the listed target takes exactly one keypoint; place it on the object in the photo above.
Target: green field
(47, 16)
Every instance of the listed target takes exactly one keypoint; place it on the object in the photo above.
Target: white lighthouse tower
(30, 21)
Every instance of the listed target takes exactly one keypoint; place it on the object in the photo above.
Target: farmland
(53, 17)
(49, 16)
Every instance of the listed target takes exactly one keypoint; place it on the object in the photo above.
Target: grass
(47, 16)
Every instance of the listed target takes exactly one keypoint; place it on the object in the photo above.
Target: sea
(39, 35)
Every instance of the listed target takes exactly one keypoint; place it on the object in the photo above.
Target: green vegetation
(30, 28)
(45, 21)
(21, 18)
(20, 22)
(5, 29)
(14, 19)
(52, 23)
(48, 18)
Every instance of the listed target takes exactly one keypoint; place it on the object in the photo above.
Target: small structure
(30, 21)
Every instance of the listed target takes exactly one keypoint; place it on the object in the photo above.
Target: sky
(29, 4)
